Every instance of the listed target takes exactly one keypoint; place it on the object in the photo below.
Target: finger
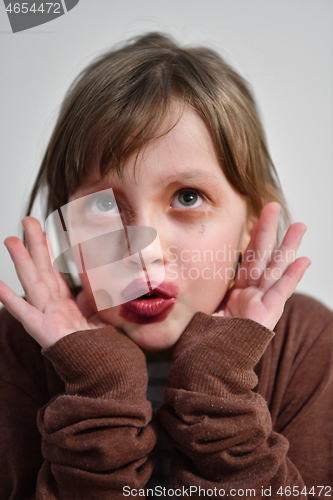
(39, 253)
(64, 289)
(265, 242)
(286, 285)
(25, 313)
(36, 290)
(284, 256)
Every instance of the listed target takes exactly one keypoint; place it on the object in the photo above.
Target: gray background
(284, 48)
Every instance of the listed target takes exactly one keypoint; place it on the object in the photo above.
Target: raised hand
(267, 276)
(49, 313)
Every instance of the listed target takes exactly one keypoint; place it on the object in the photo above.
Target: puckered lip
(138, 288)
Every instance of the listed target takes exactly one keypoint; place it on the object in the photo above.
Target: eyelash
(177, 210)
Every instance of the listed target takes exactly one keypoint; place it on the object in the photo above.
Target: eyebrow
(195, 174)
(192, 175)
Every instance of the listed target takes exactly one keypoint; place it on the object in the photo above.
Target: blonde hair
(120, 101)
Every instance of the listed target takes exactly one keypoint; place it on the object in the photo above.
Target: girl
(166, 138)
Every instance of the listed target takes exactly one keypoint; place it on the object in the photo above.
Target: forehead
(183, 152)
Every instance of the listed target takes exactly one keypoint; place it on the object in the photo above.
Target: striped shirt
(158, 365)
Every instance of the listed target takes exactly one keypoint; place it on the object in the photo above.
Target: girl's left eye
(187, 199)
(103, 204)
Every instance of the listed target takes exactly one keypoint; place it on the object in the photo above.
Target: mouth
(150, 307)
(140, 288)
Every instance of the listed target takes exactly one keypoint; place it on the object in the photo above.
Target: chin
(153, 323)
(154, 336)
(151, 333)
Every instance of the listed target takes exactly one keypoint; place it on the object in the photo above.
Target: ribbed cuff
(216, 355)
(100, 363)
(246, 339)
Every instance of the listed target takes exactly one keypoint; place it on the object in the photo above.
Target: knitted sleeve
(98, 436)
(95, 437)
(222, 429)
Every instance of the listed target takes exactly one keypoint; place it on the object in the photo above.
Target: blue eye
(187, 199)
(104, 204)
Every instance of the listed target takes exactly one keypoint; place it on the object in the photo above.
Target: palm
(50, 312)
(267, 276)
(244, 302)
(60, 316)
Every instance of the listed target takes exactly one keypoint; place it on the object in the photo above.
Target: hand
(50, 312)
(266, 277)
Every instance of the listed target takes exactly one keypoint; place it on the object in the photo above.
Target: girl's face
(180, 190)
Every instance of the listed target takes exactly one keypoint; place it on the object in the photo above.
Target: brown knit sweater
(75, 422)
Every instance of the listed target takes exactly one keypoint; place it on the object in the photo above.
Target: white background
(283, 48)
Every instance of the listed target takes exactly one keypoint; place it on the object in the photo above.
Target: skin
(182, 161)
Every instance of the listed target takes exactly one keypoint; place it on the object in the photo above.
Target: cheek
(203, 262)
(205, 248)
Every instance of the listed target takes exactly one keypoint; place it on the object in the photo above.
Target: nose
(143, 248)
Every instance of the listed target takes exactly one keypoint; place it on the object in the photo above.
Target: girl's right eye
(187, 198)
(103, 204)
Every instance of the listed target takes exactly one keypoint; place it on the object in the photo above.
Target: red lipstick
(151, 307)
